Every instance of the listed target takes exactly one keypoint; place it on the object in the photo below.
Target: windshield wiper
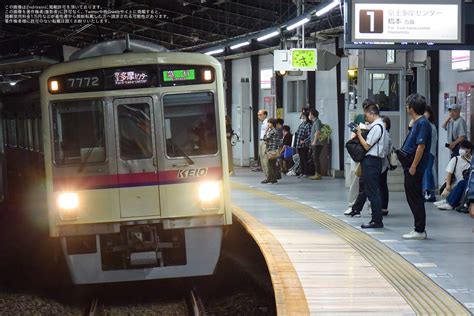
(186, 156)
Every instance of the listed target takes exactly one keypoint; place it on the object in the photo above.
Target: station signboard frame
(404, 24)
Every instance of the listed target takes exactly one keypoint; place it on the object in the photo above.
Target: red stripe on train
(135, 179)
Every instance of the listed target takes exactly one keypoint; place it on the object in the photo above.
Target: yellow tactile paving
(326, 286)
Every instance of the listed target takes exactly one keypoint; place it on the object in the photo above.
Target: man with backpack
(376, 152)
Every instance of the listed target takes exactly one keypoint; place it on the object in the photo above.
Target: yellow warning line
(420, 292)
(289, 295)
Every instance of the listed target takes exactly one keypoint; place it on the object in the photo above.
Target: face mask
(462, 152)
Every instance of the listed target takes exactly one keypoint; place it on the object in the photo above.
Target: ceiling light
(216, 51)
(267, 36)
(328, 8)
(239, 45)
(12, 83)
(298, 23)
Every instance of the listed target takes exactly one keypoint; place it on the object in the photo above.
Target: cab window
(78, 132)
(190, 124)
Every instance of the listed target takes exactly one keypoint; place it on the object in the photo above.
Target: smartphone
(446, 145)
(352, 126)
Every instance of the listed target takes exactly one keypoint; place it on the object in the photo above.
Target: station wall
(448, 80)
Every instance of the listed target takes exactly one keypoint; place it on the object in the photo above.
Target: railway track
(191, 304)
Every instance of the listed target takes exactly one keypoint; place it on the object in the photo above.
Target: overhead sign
(402, 21)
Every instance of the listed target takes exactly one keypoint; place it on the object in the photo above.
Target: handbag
(288, 152)
(355, 149)
(405, 158)
(273, 154)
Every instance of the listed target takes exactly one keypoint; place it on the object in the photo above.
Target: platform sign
(406, 21)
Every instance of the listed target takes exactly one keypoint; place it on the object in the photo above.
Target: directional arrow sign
(327, 60)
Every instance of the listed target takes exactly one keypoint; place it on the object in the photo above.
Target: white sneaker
(348, 211)
(415, 235)
(440, 202)
(445, 206)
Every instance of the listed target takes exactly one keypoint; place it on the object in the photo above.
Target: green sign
(179, 75)
(303, 58)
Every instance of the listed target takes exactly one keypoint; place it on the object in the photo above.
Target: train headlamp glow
(68, 201)
(54, 85)
(209, 191)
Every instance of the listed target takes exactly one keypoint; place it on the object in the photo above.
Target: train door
(136, 162)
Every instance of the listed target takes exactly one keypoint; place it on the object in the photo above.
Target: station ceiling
(187, 25)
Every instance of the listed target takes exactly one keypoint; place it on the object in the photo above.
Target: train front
(134, 157)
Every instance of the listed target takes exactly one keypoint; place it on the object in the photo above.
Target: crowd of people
(280, 152)
(417, 156)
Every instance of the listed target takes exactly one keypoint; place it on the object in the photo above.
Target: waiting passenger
(375, 145)
(385, 166)
(302, 134)
(428, 178)
(456, 127)
(456, 179)
(272, 143)
(417, 147)
(287, 150)
(316, 145)
(262, 117)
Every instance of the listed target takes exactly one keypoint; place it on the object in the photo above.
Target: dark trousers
(272, 174)
(371, 169)
(303, 153)
(316, 154)
(414, 194)
(384, 189)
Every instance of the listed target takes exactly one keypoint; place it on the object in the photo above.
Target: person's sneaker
(430, 198)
(264, 181)
(354, 214)
(348, 211)
(272, 182)
(445, 207)
(372, 225)
(415, 235)
(316, 177)
(440, 202)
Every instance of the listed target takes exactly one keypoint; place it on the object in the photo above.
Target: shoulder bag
(355, 148)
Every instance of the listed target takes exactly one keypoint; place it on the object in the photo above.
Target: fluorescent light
(267, 36)
(213, 52)
(239, 45)
(328, 8)
(12, 83)
(300, 22)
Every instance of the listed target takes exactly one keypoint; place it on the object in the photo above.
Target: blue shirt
(420, 133)
(470, 194)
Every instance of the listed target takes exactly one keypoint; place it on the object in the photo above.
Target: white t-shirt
(460, 167)
(377, 138)
(263, 128)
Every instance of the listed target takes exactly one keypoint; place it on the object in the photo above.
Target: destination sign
(179, 75)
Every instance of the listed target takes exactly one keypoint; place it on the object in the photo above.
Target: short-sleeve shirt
(419, 134)
(316, 127)
(456, 128)
(263, 128)
(461, 165)
(375, 138)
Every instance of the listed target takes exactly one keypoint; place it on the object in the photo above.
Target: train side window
(190, 124)
(29, 125)
(12, 137)
(78, 132)
(135, 131)
(40, 134)
(20, 128)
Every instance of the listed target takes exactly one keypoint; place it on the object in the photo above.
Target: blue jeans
(428, 179)
(455, 196)
(371, 172)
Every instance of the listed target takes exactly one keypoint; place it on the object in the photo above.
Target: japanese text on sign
(73, 14)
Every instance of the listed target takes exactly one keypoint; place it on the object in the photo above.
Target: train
(130, 149)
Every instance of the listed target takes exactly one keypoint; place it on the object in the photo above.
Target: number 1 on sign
(371, 15)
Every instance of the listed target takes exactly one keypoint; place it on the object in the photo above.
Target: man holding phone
(456, 127)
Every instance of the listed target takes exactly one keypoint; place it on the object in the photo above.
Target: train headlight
(68, 204)
(209, 193)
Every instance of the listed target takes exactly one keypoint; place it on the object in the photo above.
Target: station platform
(339, 268)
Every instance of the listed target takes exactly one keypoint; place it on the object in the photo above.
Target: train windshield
(78, 131)
(190, 124)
